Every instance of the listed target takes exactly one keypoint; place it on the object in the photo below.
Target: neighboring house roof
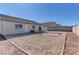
(59, 25)
(16, 19)
(46, 23)
(50, 23)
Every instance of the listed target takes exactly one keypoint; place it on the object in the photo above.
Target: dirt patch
(6, 48)
(72, 44)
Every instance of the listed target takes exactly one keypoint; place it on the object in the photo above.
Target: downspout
(1, 25)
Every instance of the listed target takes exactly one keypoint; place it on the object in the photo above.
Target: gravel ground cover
(39, 44)
(6, 48)
(72, 44)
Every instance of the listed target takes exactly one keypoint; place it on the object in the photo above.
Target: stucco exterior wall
(9, 28)
(27, 27)
(44, 28)
(37, 28)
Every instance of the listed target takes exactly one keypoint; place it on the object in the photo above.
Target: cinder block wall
(75, 29)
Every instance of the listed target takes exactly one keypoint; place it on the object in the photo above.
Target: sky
(65, 14)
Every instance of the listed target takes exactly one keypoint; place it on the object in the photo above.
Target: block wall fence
(75, 29)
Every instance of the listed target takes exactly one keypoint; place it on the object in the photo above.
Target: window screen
(18, 26)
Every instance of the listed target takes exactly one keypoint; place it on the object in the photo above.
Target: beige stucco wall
(37, 28)
(9, 28)
(44, 28)
(27, 27)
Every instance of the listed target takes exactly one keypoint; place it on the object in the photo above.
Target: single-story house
(15, 25)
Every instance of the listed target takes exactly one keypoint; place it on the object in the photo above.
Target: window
(33, 27)
(18, 26)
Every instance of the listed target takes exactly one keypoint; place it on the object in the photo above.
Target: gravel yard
(39, 44)
(49, 43)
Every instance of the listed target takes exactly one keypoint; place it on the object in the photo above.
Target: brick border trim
(24, 51)
(65, 43)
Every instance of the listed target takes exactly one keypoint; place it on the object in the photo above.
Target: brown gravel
(39, 44)
(6, 48)
(42, 44)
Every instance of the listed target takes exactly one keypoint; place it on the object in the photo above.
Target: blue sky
(65, 14)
